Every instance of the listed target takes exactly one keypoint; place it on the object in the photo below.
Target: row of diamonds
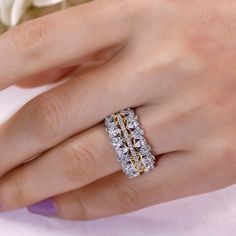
(137, 160)
(127, 164)
(127, 137)
(119, 144)
(145, 161)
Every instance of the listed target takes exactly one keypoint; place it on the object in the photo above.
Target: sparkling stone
(137, 133)
(111, 125)
(149, 161)
(130, 171)
(123, 158)
(139, 143)
(132, 125)
(115, 132)
(140, 166)
(124, 149)
(128, 112)
(117, 143)
(109, 119)
(144, 150)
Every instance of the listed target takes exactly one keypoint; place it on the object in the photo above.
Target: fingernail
(45, 208)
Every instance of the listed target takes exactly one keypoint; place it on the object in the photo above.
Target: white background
(210, 214)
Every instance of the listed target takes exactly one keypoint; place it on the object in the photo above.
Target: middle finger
(59, 114)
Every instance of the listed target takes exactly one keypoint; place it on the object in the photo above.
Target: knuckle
(129, 9)
(46, 116)
(124, 8)
(127, 14)
(227, 156)
(217, 35)
(81, 213)
(81, 164)
(31, 37)
(129, 196)
(15, 195)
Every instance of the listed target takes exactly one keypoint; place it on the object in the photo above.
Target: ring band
(127, 139)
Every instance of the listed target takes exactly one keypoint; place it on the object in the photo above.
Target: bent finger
(178, 175)
(75, 163)
(62, 112)
(59, 39)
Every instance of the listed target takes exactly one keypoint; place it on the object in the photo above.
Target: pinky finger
(178, 175)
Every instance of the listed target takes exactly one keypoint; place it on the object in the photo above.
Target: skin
(173, 61)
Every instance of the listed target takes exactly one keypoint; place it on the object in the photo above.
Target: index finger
(60, 39)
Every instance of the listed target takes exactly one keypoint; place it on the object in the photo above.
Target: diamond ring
(127, 139)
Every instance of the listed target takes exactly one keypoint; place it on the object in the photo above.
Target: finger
(177, 175)
(85, 101)
(54, 75)
(80, 161)
(60, 39)
(77, 162)
(43, 78)
(61, 113)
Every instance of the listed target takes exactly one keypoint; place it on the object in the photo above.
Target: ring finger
(77, 162)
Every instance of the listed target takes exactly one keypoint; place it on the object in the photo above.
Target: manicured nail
(45, 208)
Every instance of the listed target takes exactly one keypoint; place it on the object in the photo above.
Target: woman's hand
(174, 61)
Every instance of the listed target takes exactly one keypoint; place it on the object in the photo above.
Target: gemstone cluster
(127, 139)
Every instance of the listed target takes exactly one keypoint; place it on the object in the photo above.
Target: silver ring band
(127, 139)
